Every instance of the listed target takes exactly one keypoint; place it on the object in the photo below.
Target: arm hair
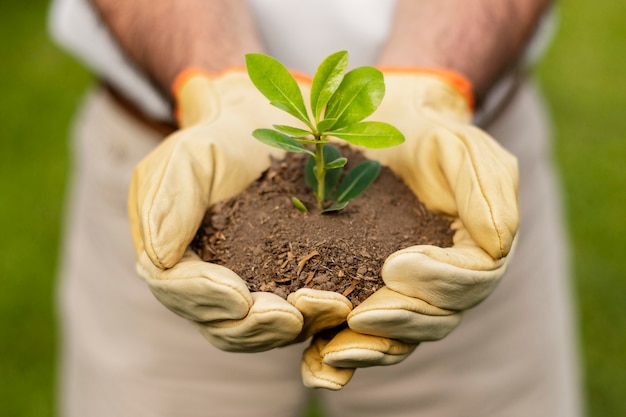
(480, 39)
(163, 37)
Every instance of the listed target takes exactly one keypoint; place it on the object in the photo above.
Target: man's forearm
(165, 36)
(480, 39)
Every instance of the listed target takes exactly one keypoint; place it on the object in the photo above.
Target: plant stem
(321, 174)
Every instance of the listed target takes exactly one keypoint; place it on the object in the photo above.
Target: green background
(583, 75)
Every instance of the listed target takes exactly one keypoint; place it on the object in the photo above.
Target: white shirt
(358, 26)
(298, 43)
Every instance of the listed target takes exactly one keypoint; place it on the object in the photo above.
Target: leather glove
(211, 158)
(458, 170)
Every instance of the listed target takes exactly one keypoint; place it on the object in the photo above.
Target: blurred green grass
(583, 78)
(40, 86)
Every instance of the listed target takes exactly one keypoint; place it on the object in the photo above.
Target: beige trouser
(125, 355)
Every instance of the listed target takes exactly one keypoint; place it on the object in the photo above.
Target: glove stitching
(328, 380)
(488, 203)
(149, 246)
(392, 309)
(214, 165)
(279, 310)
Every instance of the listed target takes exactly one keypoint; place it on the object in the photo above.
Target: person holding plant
(167, 133)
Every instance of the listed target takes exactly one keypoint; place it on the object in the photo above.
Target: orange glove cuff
(188, 73)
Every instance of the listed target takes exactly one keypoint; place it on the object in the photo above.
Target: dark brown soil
(274, 247)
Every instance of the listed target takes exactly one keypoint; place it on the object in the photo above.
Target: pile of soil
(274, 247)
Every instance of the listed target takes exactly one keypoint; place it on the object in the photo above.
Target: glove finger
(486, 193)
(452, 166)
(271, 322)
(169, 195)
(316, 373)
(173, 186)
(349, 349)
(197, 290)
(321, 310)
(453, 278)
(389, 314)
(460, 170)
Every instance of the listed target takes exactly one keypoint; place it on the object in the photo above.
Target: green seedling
(339, 103)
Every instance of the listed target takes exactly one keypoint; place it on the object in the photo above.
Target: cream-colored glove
(214, 157)
(458, 170)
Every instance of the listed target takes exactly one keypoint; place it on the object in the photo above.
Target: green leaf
(277, 84)
(358, 96)
(279, 140)
(336, 207)
(326, 80)
(310, 174)
(297, 203)
(370, 134)
(325, 125)
(293, 131)
(331, 178)
(357, 180)
(337, 163)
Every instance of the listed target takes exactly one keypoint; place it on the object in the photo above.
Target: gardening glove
(211, 158)
(315, 372)
(457, 170)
